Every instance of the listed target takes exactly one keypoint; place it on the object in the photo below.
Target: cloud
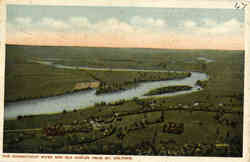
(83, 24)
(54, 24)
(80, 22)
(114, 25)
(136, 32)
(211, 27)
(23, 20)
(150, 22)
(209, 22)
(136, 24)
(232, 26)
(189, 24)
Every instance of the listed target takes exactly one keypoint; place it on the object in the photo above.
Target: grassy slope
(25, 80)
(28, 80)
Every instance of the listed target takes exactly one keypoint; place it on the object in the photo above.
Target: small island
(168, 89)
(202, 83)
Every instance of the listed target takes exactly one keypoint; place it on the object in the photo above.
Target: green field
(212, 118)
(27, 80)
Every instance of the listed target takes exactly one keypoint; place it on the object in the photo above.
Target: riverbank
(88, 98)
(198, 116)
(37, 80)
(118, 85)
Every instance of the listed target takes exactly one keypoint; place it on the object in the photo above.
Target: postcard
(127, 81)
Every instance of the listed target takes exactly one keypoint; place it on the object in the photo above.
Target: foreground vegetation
(123, 126)
(172, 126)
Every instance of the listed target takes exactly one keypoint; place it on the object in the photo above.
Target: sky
(138, 27)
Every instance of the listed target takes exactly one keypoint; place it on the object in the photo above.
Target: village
(82, 133)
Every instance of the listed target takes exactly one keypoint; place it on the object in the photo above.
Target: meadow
(134, 127)
(27, 80)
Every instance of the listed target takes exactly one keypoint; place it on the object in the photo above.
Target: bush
(64, 111)
(19, 117)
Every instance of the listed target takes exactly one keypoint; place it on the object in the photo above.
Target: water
(59, 66)
(88, 98)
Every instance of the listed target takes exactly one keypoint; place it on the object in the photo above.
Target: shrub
(64, 111)
(19, 117)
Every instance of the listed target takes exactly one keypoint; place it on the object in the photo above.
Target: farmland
(27, 80)
(137, 126)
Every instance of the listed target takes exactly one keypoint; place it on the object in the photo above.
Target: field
(27, 80)
(156, 126)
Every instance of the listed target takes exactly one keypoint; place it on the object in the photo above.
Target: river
(83, 99)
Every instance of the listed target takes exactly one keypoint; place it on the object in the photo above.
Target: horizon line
(124, 47)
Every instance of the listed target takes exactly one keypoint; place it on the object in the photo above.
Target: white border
(136, 3)
(2, 66)
(246, 112)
